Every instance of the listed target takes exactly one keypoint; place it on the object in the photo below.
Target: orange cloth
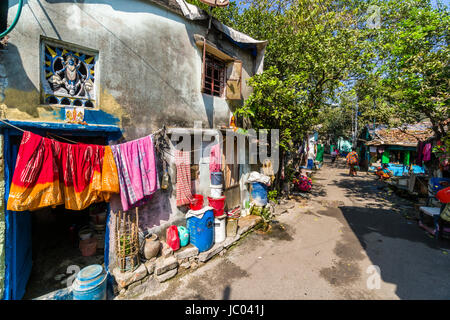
(110, 178)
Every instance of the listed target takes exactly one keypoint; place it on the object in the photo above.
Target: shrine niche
(68, 77)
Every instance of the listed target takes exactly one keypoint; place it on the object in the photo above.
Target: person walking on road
(352, 161)
(334, 155)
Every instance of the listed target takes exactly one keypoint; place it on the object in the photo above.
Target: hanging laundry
(419, 156)
(51, 173)
(184, 193)
(320, 152)
(406, 158)
(81, 166)
(110, 178)
(215, 158)
(385, 157)
(138, 176)
(427, 152)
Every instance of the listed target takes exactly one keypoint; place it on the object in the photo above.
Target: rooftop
(408, 137)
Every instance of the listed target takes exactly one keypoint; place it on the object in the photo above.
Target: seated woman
(383, 172)
(302, 183)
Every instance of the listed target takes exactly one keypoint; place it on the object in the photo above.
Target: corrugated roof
(408, 137)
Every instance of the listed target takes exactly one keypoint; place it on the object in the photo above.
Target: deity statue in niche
(71, 77)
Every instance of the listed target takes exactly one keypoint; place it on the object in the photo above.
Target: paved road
(322, 250)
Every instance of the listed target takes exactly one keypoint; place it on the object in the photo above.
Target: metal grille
(214, 78)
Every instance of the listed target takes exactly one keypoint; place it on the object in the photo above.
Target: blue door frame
(18, 262)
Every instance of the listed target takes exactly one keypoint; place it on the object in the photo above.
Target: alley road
(324, 250)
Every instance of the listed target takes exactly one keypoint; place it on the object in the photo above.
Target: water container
(216, 191)
(218, 204)
(259, 193)
(90, 284)
(220, 233)
(444, 195)
(201, 231)
(183, 233)
(216, 178)
(198, 202)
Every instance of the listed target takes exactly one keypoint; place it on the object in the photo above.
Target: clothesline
(9, 124)
(71, 141)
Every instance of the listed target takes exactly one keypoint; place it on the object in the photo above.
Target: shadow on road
(407, 257)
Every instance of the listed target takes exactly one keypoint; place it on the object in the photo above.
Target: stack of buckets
(217, 202)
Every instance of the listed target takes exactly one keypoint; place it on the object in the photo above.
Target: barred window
(214, 76)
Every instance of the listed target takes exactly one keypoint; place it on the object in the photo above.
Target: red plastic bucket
(198, 202)
(218, 205)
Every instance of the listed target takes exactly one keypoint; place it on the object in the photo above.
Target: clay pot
(151, 247)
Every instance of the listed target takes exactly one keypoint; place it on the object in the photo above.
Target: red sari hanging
(51, 173)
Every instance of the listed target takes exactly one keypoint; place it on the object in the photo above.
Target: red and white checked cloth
(184, 193)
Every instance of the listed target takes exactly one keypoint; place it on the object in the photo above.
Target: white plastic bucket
(216, 193)
(220, 231)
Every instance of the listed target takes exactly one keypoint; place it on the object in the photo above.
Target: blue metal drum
(90, 284)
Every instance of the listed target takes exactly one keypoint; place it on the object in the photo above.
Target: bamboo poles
(127, 240)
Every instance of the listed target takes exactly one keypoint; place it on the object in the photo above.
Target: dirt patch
(347, 250)
(278, 231)
(342, 273)
(331, 203)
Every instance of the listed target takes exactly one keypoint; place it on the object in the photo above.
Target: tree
(414, 55)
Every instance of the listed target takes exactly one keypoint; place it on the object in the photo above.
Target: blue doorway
(18, 234)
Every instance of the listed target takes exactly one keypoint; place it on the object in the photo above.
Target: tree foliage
(323, 58)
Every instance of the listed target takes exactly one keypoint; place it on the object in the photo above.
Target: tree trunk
(278, 183)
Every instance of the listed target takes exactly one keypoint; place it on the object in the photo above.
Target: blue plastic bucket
(216, 178)
(201, 231)
(259, 193)
(183, 234)
(90, 284)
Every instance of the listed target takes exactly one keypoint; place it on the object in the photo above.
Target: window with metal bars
(214, 76)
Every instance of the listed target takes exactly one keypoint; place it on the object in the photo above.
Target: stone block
(185, 265)
(150, 265)
(247, 223)
(165, 264)
(124, 279)
(137, 284)
(166, 251)
(186, 252)
(167, 275)
(205, 256)
(230, 240)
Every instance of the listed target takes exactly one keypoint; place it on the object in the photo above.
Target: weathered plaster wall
(149, 66)
(149, 74)
(2, 220)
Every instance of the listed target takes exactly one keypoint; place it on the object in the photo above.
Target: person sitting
(383, 172)
(302, 183)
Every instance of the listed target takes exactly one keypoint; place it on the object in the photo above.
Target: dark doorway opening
(55, 241)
